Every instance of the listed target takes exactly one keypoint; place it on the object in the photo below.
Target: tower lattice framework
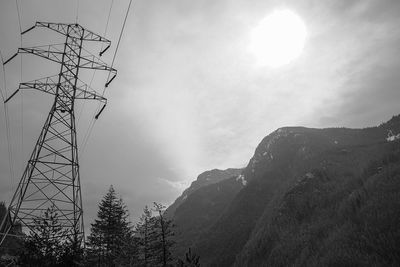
(51, 177)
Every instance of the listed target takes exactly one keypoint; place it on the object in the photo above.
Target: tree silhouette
(110, 232)
(191, 260)
(163, 234)
(48, 245)
(143, 232)
(154, 234)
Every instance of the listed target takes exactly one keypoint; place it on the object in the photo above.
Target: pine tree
(191, 260)
(154, 235)
(48, 244)
(129, 253)
(110, 232)
(160, 237)
(143, 232)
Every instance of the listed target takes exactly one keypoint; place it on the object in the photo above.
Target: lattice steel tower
(51, 177)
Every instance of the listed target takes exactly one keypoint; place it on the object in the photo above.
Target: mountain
(205, 196)
(204, 179)
(308, 197)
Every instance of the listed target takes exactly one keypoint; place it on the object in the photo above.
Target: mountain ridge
(282, 162)
(203, 179)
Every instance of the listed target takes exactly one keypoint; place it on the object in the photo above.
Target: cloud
(188, 96)
(178, 185)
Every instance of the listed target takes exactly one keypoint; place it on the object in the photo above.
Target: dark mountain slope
(218, 245)
(333, 221)
(202, 204)
(296, 177)
(279, 161)
(204, 179)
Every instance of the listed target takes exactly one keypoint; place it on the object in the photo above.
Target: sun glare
(278, 39)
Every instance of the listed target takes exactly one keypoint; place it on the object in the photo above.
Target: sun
(278, 38)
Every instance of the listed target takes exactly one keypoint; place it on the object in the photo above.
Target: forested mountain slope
(200, 204)
(311, 197)
(204, 179)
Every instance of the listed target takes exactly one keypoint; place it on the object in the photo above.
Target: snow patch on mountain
(392, 137)
(309, 175)
(243, 180)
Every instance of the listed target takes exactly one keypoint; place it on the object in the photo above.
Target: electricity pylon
(51, 177)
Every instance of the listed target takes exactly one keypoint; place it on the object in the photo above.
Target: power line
(93, 120)
(87, 135)
(21, 96)
(7, 123)
(119, 40)
(2, 94)
(108, 20)
(101, 49)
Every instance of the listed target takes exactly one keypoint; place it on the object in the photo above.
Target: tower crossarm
(55, 54)
(49, 85)
(93, 62)
(71, 30)
(85, 92)
(50, 52)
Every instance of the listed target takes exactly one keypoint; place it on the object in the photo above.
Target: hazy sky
(189, 95)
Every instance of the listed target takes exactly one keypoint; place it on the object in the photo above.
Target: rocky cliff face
(303, 194)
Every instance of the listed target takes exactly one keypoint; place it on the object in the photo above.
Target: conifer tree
(129, 253)
(191, 260)
(110, 231)
(143, 232)
(154, 233)
(48, 245)
(154, 237)
(163, 233)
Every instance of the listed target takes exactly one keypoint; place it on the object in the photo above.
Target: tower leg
(51, 178)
